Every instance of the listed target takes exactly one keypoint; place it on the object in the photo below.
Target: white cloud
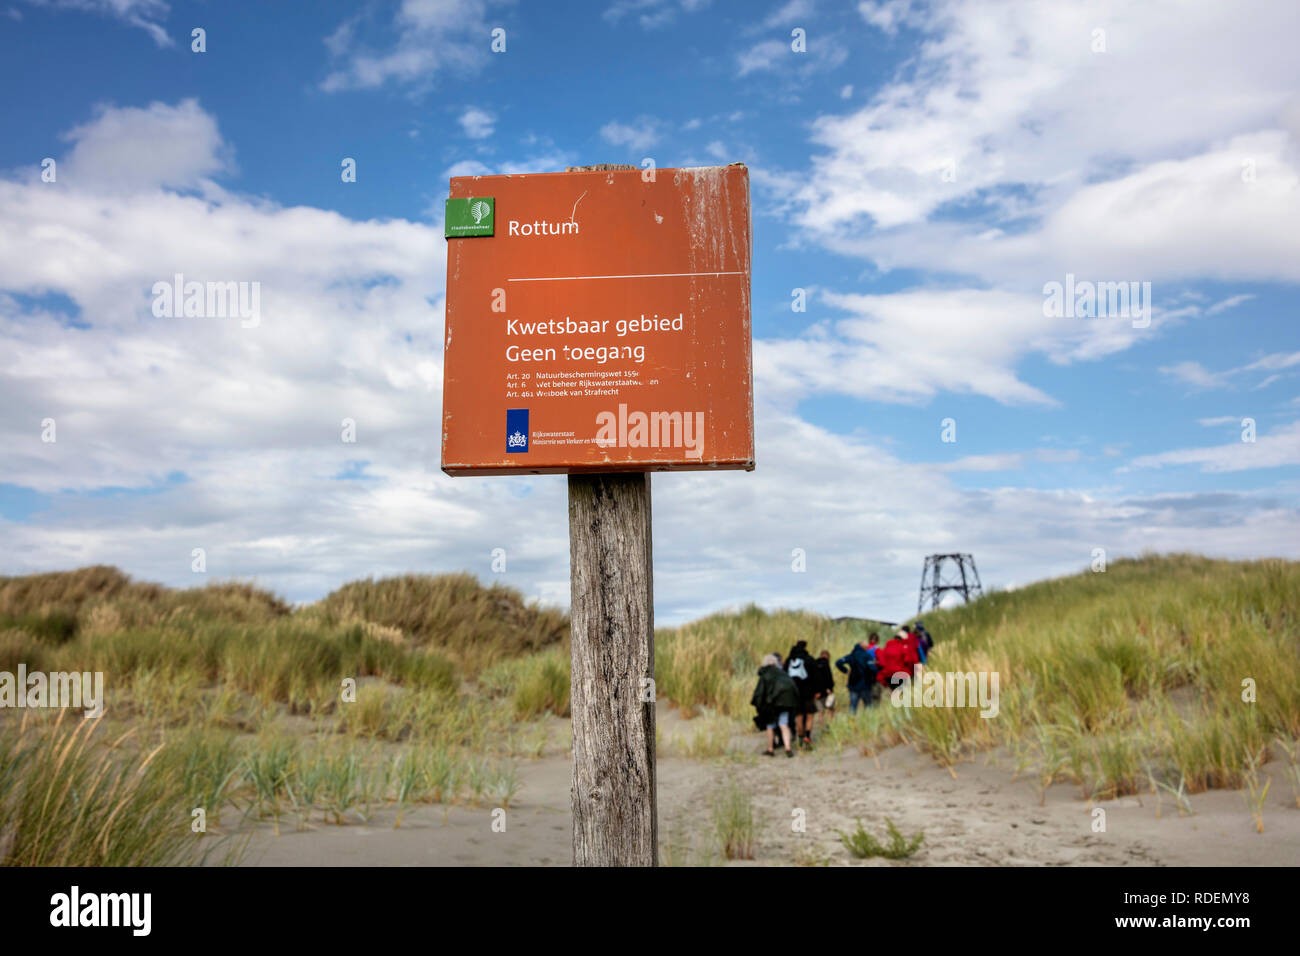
(1277, 360)
(1143, 179)
(650, 14)
(185, 149)
(544, 162)
(887, 15)
(848, 491)
(431, 36)
(822, 52)
(352, 327)
(789, 13)
(144, 14)
(1058, 456)
(1010, 461)
(1277, 448)
(1194, 373)
(477, 123)
(993, 462)
(1229, 303)
(637, 136)
(1140, 178)
(137, 396)
(467, 167)
(907, 347)
(761, 56)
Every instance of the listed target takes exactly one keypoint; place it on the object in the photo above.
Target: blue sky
(921, 170)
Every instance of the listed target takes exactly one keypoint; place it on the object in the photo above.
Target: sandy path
(982, 817)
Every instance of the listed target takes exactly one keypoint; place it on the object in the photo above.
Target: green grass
(474, 625)
(864, 844)
(194, 671)
(733, 821)
(536, 684)
(70, 797)
(1101, 675)
(1171, 674)
(206, 764)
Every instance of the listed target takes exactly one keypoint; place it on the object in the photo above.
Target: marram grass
(1172, 674)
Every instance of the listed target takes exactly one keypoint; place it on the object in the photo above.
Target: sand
(984, 816)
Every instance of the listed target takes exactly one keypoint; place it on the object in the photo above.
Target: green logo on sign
(470, 217)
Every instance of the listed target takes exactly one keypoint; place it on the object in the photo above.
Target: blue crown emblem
(517, 430)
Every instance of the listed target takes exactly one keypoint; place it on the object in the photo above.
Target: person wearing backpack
(860, 665)
(926, 640)
(799, 665)
(775, 697)
(914, 643)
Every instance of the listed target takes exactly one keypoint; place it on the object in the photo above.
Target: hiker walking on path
(927, 642)
(775, 697)
(824, 681)
(799, 665)
(860, 665)
(914, 645)
(899, 656)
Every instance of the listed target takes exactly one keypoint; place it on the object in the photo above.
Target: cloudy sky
(922, 171)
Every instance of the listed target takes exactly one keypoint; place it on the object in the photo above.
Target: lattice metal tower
(943, 577)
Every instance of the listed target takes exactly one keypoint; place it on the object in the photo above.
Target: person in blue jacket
(927, 641)
(860, 665)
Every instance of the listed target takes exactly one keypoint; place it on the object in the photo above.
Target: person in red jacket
(896, 657)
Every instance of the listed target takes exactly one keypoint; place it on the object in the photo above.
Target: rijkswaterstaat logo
(516, 430)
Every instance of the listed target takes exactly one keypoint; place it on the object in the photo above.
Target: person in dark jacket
(775, 697)
(927, 641)
(915, 643)
(799, 665)
(824, 698)
(860, 665)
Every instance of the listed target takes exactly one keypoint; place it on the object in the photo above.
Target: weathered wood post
(615, 819)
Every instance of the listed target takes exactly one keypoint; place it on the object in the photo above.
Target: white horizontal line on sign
(648, 275)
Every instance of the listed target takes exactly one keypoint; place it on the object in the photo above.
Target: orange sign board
(602, 326)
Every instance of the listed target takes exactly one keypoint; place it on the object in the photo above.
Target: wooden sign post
(598, 325)
(614, 799)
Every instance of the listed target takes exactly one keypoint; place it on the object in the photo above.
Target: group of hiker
(792, 693)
